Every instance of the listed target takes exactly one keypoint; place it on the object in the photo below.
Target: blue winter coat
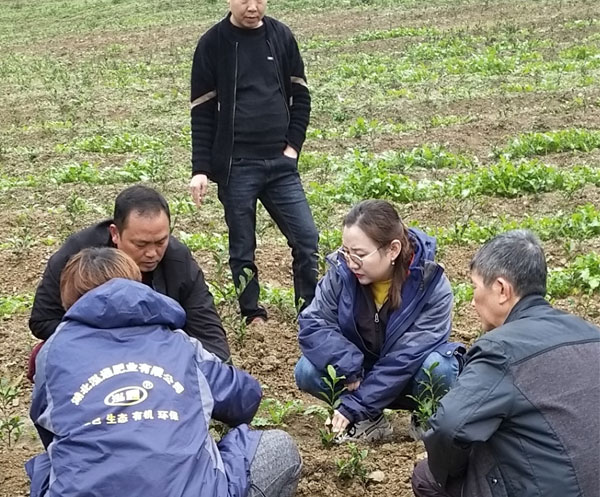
(328, 332)
(123, 399)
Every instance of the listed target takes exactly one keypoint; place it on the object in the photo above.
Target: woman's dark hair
(93, 267)
(380, 221)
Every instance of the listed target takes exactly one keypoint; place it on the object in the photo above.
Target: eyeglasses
(355, 259)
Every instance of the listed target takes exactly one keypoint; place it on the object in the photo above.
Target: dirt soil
(271, 351)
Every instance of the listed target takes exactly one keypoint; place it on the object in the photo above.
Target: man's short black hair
(141, 199)
(517, 256)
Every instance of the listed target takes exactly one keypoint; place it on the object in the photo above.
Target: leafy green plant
(20, 244)
(273, 412)
(353, 466)
(430, 392)
(15, 304)
(11, 424)
(463, 294)
(331, 395)
(281, 299)
(581, 224)
(329, 241)
(580, 276)
(530, 144)
(86, 172)
(504, 179)
(118, 144)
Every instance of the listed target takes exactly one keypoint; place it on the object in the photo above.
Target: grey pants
(424, 484)
(275, 469)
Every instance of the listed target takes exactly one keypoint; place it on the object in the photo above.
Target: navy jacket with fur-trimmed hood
(123, 400)
(213, 95)
(328, 332)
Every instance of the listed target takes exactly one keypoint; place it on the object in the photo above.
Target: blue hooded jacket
(328, 332)
(123, 400)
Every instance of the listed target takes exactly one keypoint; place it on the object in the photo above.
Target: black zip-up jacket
(177, 276)
(213, 82)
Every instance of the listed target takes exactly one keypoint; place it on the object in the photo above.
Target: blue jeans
(309, 378)
(276, 183)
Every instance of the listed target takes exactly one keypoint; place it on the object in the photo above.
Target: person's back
(553, 422)
(123, 403)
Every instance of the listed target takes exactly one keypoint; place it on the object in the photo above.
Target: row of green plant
(530, 144)
(581, 224)
(503, 179)
(452, 67)
(117, 144)
(155, 168)
(579, 277)
(436, 156)
(459, 55)
(318, 43)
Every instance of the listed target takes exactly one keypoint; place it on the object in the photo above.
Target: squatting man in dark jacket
(523, 418)
(250, 107)
(141, 228)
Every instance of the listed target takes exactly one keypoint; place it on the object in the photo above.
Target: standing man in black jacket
(522, 420)
(141, 228)
(250, 108)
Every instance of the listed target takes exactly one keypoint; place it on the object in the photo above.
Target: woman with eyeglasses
(381, 315)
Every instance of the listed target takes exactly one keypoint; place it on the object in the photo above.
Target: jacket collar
(267, 21)
(521, 308)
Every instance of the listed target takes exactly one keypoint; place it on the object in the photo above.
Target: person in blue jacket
(123, 399)
(382, 313)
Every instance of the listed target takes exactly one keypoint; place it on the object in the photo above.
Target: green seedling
(353, 467)
(274, 412)
(428, 398)
(15, 304)
(11, 424)
(332, 396)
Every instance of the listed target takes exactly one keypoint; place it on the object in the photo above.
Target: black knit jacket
(213, 83)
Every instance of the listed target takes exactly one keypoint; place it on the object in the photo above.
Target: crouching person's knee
(423, 484)
(275, 469)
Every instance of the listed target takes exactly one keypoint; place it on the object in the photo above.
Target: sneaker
(415, 430)
(367, 431)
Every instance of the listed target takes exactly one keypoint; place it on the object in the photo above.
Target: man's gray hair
(516, 256)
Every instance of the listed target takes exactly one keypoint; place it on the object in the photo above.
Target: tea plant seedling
(11, 425)
(331, 395)
(430, 393)
(353, 467)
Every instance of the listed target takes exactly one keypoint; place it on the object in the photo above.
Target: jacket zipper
(235, 77)
(278, 71)
(376, 317)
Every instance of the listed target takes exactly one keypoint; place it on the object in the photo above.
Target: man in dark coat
(141, 228)
(250, 108)
(522, 419)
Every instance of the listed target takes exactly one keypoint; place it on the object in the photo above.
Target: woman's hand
(352, 386)
(339, 422)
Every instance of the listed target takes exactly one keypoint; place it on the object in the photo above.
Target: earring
(393, 262)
